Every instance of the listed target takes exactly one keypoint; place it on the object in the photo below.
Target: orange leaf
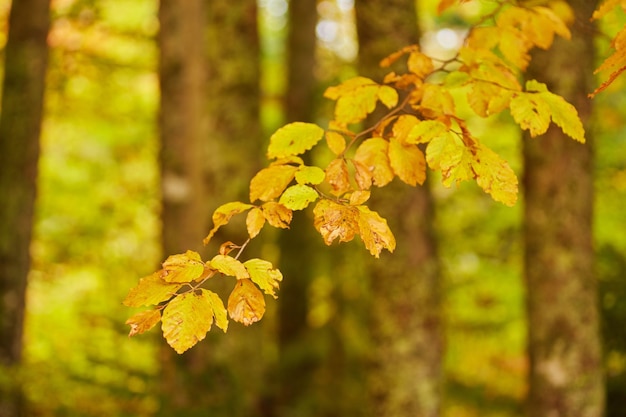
(362, 176)
(246, 303)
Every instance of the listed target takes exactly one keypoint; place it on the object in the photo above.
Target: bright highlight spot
(447, 38)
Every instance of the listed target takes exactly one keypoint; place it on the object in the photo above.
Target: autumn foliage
(421, 127)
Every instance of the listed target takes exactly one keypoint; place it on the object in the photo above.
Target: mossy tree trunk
(26, 57)
(564, 345)
(406, 324)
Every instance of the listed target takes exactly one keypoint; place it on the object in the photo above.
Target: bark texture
(406, 324)
(564, 343)
(26, 57)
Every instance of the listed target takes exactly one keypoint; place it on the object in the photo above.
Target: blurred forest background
(131, 113)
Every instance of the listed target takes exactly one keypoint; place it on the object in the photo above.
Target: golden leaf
(223, 214)
(245, 303)
(294, 139)
(494, 175)
(186, 320)
(375, 232)
(335, 221)
(437, 101)
(407, 162)
(264, 275)
(143, 321)
(362, 175)
(336, 142)
(184, 267)
(357, 97)
(448, 154)
(219, 311)
(310, 175)
(337, 176)
(420, 64)
(230, 266)
(298, 197)
(426, 130)
(269, 183)
(151, 290)
(359, 197)
(277, 215)
(488, 98)
(373, 154)
(403, 129)
(531, 112)
(255, 222)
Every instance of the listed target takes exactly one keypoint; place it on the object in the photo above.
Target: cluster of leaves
(420, 127)
(616, 62)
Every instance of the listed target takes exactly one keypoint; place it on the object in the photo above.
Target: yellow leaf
(357, 97)
(448, 154)
(437, 101)
(264, 275)
(186, 320)
(606, 7)
(335, 221)
(373, 154)
(562, 113)
(230, 266)
(294, 139)
(310, 175)
(531, 112)
(494, 175)
(337, 176)
(298, 197)
(277, 215)
(336, 142)
(255, 222)
(223, 214)
(362, 175)
(488, 98)
(403, 129)
(269, 183)
(359, 197)
(375, 232)
(288, 160)
(407, 162)
(426, 130)
(245, 303)
(143, 321)
(184, 267)
(534, 110)
(420, 64)
(151, 290)
(219, 311)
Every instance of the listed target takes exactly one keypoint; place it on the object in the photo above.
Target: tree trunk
(221, 376)
(183, 131)
(297, 362)
(406, 328)
(182, 121)
(26, 56)
(563, 330)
